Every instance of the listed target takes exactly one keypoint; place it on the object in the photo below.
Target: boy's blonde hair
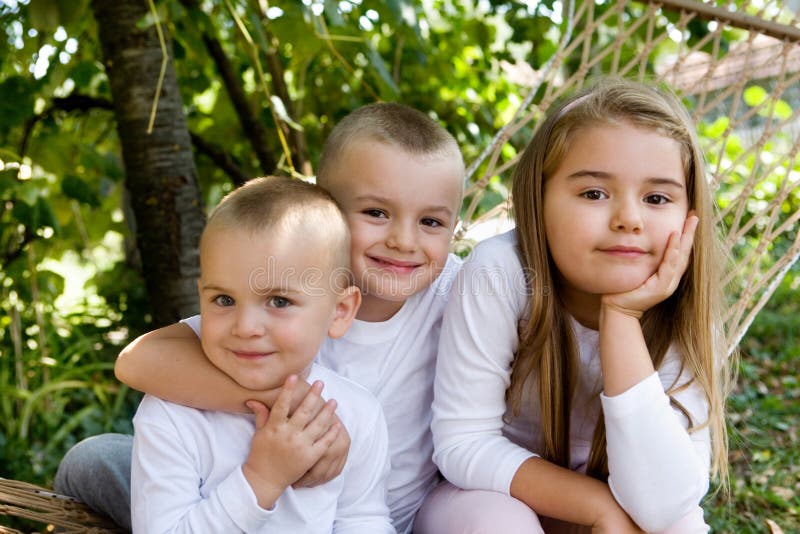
(691, 318)
(282, 203)
(390, 123)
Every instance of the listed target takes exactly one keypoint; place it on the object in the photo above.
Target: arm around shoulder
(151, 362)
(143, 356)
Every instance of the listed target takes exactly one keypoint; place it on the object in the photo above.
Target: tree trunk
(160, 172)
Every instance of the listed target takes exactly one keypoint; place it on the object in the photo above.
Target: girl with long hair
(582, 371)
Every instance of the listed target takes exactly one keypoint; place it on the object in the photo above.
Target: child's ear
(347, 303)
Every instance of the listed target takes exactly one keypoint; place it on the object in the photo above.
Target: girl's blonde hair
(690, 318)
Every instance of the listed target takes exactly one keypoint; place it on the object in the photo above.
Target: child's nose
(248, 323)
(627, 216)
(402, 237)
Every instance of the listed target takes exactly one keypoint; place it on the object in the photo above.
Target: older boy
(398, 176)
(274, 283)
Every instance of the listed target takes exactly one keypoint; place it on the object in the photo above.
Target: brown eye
(656, 198)
(594, 194)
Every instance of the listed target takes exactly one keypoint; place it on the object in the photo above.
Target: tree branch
(253, 128)
(297, 137)
(83, 103)
(221, 159)
(73, 102)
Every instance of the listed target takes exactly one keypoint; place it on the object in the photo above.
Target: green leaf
(44, 15)
(16, 100)
(76, 188)
(782, 109)
(84, 72)
(8, 182)
(755, 96)
(46, 217)
(379, 65)
(332, 11)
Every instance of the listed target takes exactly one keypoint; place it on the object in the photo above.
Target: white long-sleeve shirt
(187, 477)
(658, 471)
(395, 361)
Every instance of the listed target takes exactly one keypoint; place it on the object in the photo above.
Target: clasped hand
(285, 446)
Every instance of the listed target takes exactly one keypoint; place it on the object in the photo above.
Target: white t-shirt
(186, 472)
(395, 360)
(658, 471)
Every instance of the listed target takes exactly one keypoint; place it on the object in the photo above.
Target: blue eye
(657, 199)
(224, 300)
(279, 302)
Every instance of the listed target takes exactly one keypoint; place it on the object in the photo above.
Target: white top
(186, 473)
(395, 360)
(658, 471)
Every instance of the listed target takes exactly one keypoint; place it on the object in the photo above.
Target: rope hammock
(737, 71)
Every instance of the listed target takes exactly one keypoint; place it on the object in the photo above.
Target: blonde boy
(274, 283)
(398, 176)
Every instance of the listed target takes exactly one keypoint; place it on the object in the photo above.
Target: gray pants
(97, 471)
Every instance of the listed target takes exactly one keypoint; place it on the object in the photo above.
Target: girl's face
(610, 208)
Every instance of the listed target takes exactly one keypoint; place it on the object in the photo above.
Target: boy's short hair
(282, 203)
(390, 123)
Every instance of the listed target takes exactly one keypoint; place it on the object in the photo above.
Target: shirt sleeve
(473, 370)
(659, 471)
(362, 504)
(193, 322)
(165, 483)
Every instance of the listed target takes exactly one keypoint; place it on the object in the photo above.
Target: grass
(764, 425)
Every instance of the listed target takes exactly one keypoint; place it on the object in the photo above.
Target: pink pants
(451, 510)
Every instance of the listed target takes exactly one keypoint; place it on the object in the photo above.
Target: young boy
(398, 176)
(274, 282)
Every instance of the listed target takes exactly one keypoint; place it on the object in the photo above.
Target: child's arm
(656, 471)
(570, 496)
(620, 330)
(172, 460)
(152, 361)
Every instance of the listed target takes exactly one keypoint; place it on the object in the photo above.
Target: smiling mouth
(624, 252)
(251, 355)
(394, 265)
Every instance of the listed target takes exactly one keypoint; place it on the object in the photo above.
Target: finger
(310, 406)
(261, 412)
(689, 229)
(308, 480)
(322, 422)
(324, 443)
(680, 250)
(281, 407)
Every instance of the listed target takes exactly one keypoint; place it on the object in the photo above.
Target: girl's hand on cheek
(664, 281)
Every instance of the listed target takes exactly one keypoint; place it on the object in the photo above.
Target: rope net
(738, 74)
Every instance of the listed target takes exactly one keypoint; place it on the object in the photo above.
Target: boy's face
(401, 209)
(266, 303)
